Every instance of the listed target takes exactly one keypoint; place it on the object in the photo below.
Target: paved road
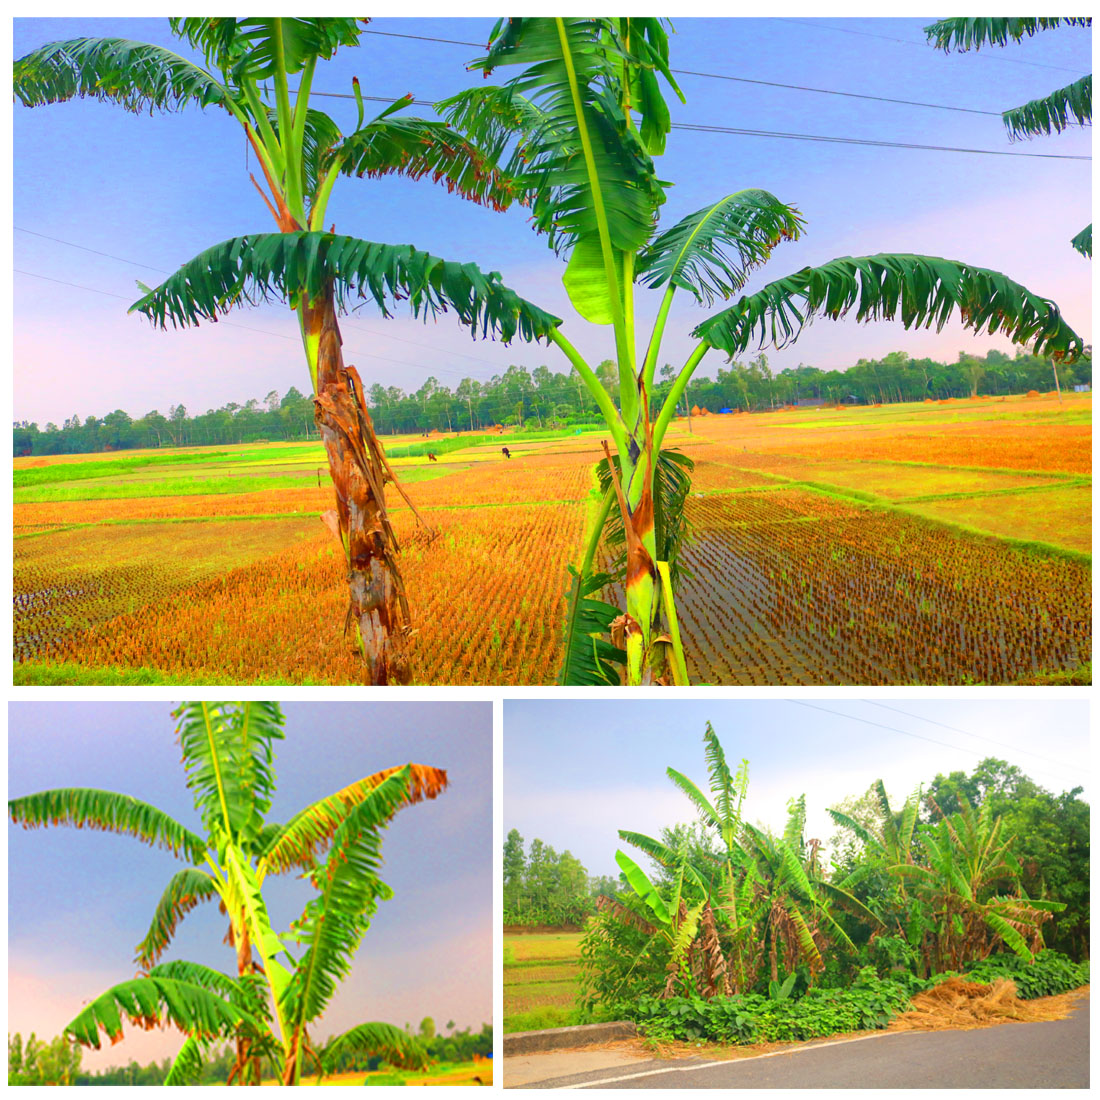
(1012, 1056)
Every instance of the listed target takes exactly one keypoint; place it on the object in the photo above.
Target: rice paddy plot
(830, 548)
(66, 582)
(1060, 516)
(1015, 433)
(792, 587)
(490, 598)
(541, 972)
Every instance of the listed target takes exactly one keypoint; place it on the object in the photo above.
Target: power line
(247, 328)
(62, 282)
(831, 91)
(740, 132)
(427, 347)
(126, 298)
(83, 248)
(356, 328)
(162, 271)
(793, 87)
(701, 128)
(428, 38)
(925, 46)
(955, 729)
(894, 729)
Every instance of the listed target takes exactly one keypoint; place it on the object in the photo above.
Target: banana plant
(968, 862)
(893, 843)
(798, 917)
(755, 891)
(283, 981)
(302, 154)
(577, 131)
(676, 923)
(1052, 113)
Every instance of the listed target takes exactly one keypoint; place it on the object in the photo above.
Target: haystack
(959, 1004)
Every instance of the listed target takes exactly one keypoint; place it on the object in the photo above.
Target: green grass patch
(175, 487)
(539, 1019)
(82, 471)
(45, 674)
(446, 444)
(1081, 676)
(79, 470)
(247, 517)
(838, 492)
(212, 486)
(441, 446)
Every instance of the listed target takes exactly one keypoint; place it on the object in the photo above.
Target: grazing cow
(431, 457)
(504, 451)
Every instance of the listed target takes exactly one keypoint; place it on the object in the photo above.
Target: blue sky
(577, 772)
(157, 190)
(78, 901)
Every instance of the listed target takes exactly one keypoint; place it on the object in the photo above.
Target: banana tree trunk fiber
(634, 630)
(378, 610)
(246, 1071)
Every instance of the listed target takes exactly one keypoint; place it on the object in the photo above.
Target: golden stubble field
(941, 542)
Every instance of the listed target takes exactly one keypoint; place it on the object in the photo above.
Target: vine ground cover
(914, 543)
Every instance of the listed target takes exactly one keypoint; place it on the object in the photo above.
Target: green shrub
(1050, 972)
(619, 961)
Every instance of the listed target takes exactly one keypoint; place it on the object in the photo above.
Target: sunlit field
(541, 970)
(941, 542)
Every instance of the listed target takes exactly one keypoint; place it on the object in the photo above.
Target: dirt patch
(958, 1005)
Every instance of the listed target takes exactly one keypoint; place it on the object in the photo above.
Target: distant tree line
(542, 398)
(543, 887)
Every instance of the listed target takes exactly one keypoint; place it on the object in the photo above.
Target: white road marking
(723, 1062)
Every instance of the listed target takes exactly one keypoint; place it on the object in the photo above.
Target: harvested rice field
(932, 543)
